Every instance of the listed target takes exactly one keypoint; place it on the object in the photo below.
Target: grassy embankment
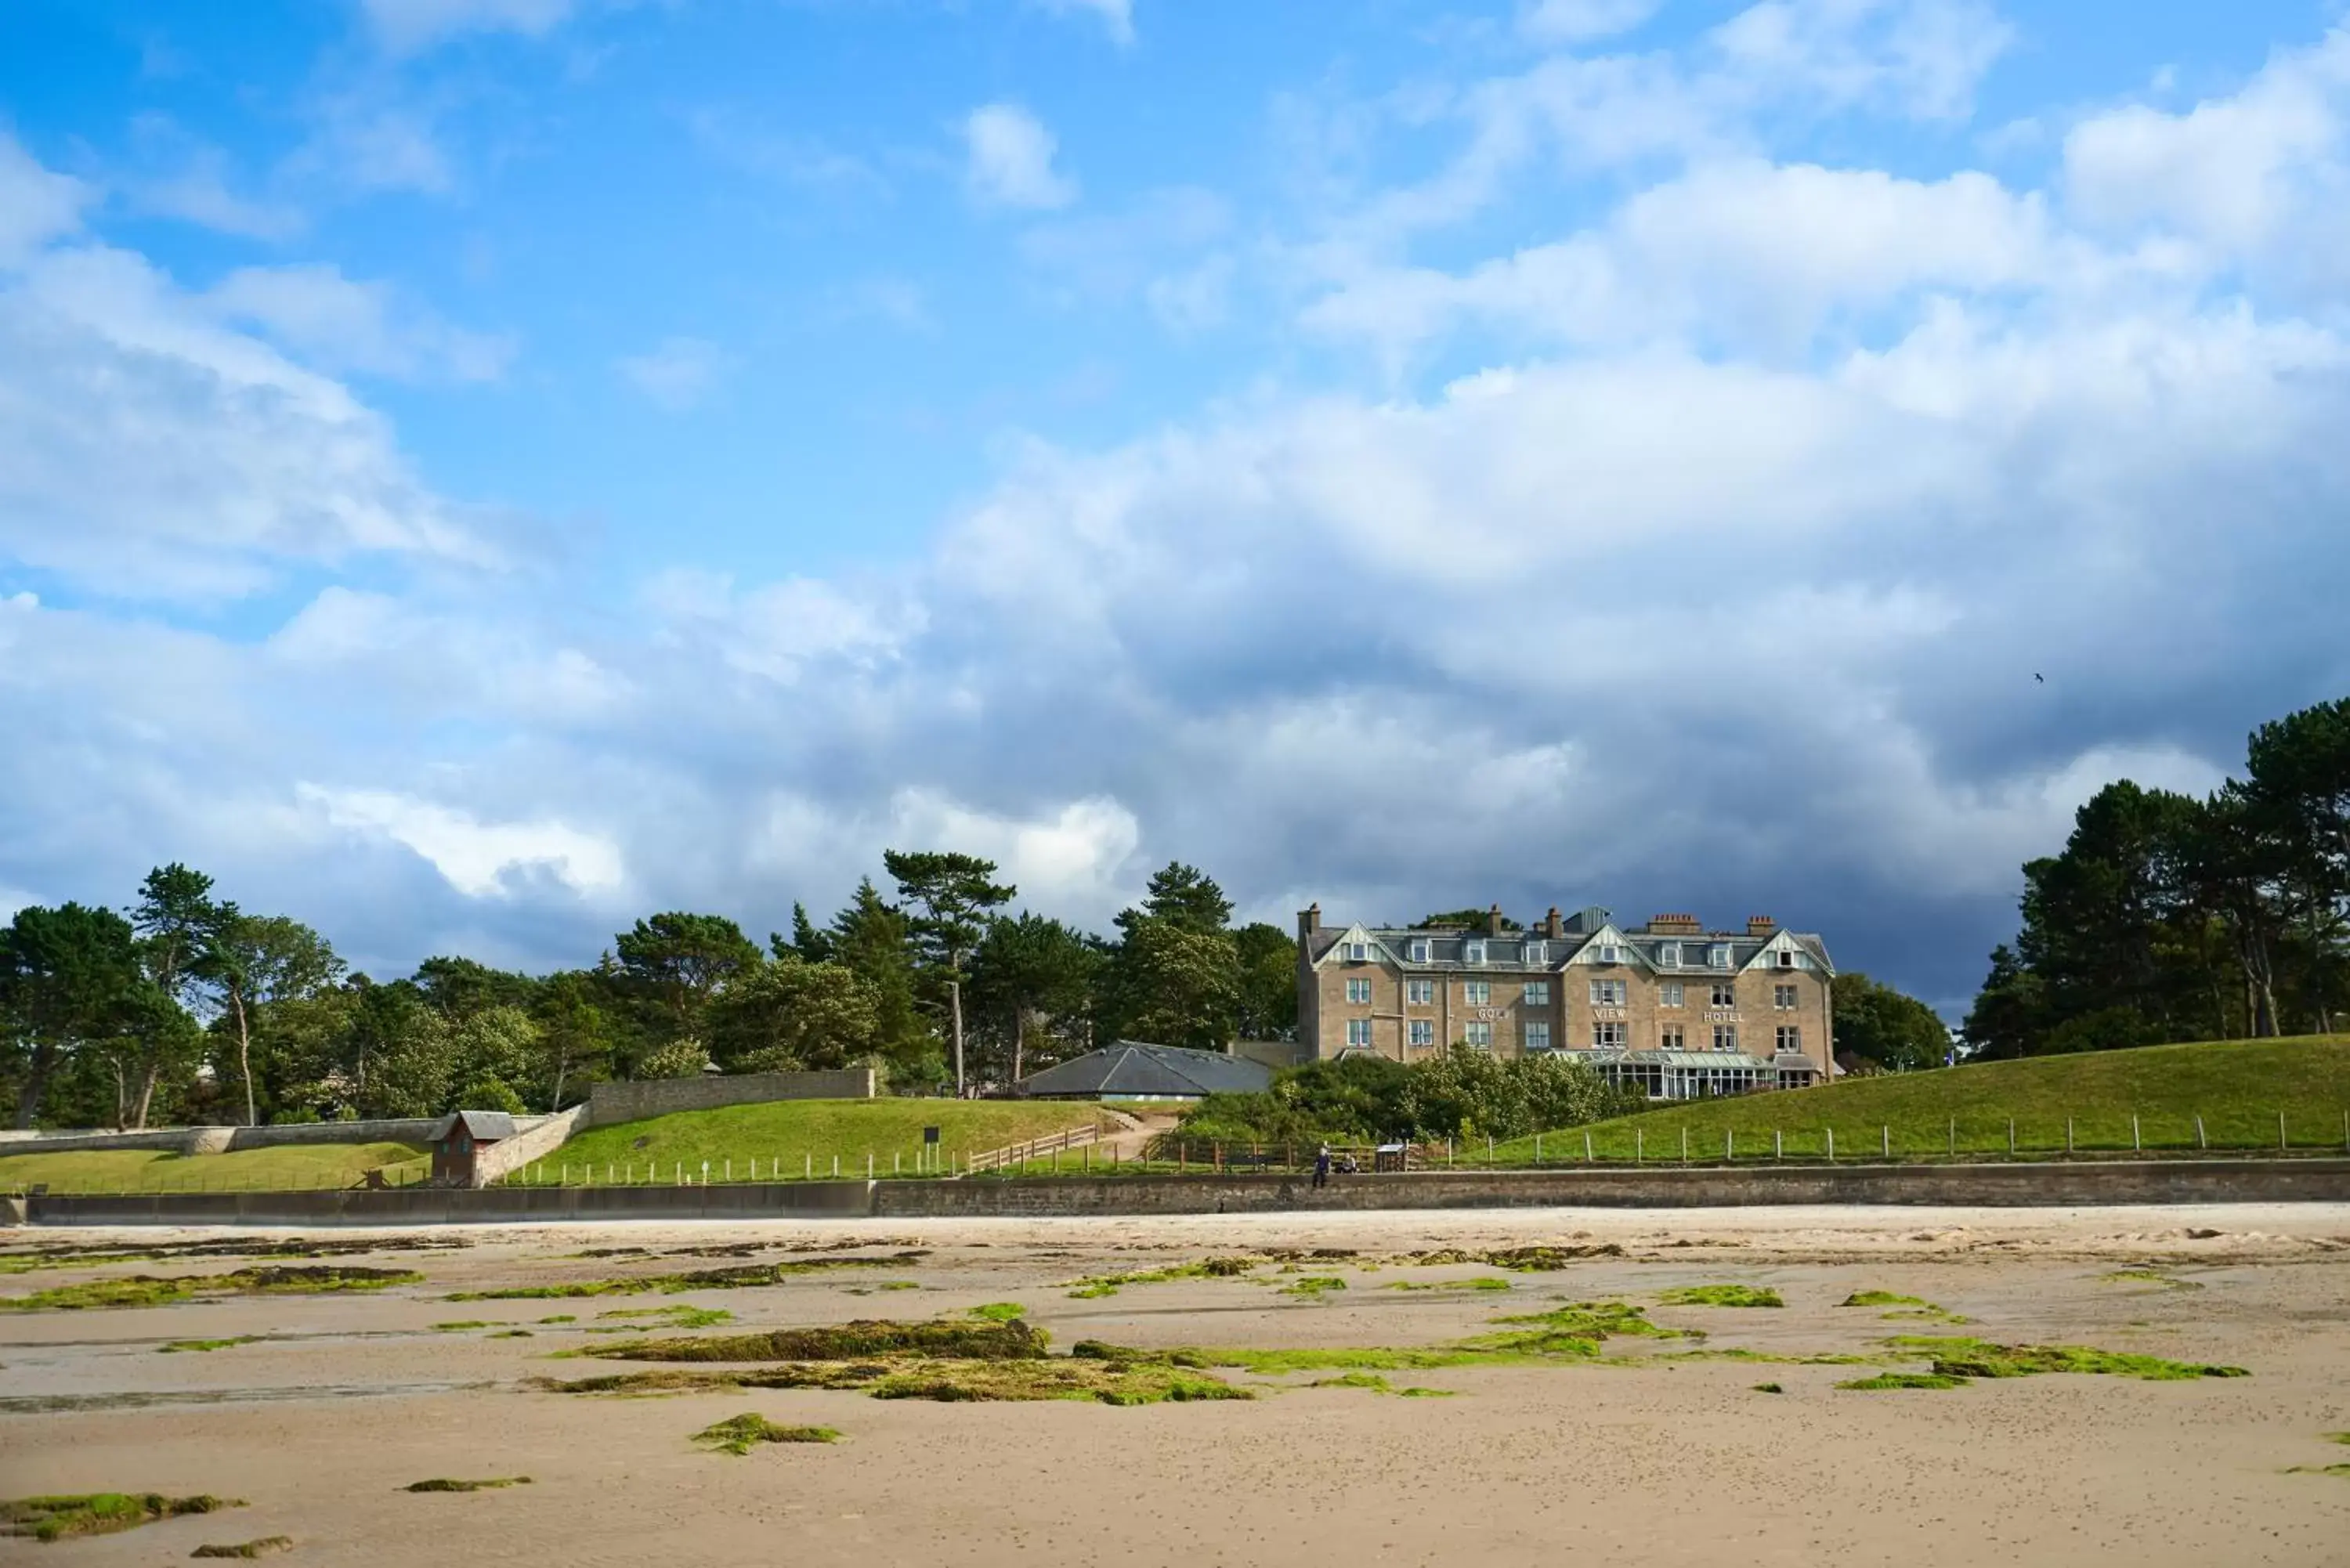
(2238, 1087)
(245, 1171)
(800, 1137)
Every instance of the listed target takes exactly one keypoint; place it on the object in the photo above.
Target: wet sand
(1633, 1459)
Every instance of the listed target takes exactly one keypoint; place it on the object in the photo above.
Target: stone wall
(609, 1102)
(528, 1144)
(222, 1140)
(2182, 1181)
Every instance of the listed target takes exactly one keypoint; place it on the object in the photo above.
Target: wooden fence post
(2200, 1141)
(2138, 1145)
(1831, 1145)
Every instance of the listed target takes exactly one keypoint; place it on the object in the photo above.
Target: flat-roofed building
(1668, 1007)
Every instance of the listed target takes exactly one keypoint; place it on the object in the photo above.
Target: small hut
(458, 1141)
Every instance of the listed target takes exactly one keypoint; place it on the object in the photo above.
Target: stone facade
(1670, 1006)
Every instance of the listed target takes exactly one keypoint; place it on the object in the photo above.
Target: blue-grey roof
(1135, 1067)
(483, 1126)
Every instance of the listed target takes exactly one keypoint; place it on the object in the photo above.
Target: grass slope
(801, 1133)
(252, 1169)
(2237, 1087)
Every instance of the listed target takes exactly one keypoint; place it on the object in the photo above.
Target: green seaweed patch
(739, 1435)
(999, 1312)
(2155, 1277)
(746, 1276)
(187, 1346)
(1314, 1285)
(2034, 1360)
(445, 1483)
(866, 1339)
(513, 1334)
(949, 1381)
(1882, 1299)
(1093, 1287)
(266, 1546)
(899, 1285)
(67, 1517)
(1483, 1282)
(152, 1289)
(2342, 1471)
(558, 1317)
(1768, 1388)
(679, 1316)
(460, 1326)
(1376, 1384)
(1534, 1260)
(1906, 1380)
(1722, 1296)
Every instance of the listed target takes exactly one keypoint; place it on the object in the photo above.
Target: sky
(476, 471)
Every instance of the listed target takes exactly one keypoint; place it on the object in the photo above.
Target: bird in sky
(2042, 679)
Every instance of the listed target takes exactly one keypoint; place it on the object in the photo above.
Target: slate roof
(484, 1126)
(1135, 1067)
(1508, 950)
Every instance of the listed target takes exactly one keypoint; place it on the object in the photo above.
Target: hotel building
(1668, 1007)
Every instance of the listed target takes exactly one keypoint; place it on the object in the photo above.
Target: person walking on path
(1322, 1167)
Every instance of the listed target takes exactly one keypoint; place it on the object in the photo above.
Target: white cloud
(2264, 166)
(1078, 858)
(1010, 159)
(678, 373)
(1580, 21)
(340, 324)
(364, 141)
(477, 858)
(146, 448)
(36, 205)
(404, 27)
(1116, 16)
(778, 630)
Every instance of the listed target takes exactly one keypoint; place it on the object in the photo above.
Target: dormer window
(1721, 955)
(1670, 955)
(1611, 954)
(1420, 952)
(1535, 953)
(1472, 953)
(1786, 958)
(1359, 952)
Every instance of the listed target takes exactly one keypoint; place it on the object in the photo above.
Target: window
(1608, 1036)
(1790, 1039)
(1537, 1036)
(1784, 958)
(1611, 953)
(1670, 955)
(1480, 1035)
(1606, 993)
(1477, 992)
(1472, 953)
(1420, 952)
(1669, 994)
(1720, 957)
(1359, 992)
(1725, 1036)
(1359, 1031)
(1423, 1032)
(1725, 996)
(1536, 952)
(1421, 993)
(1359, 952)
(1670, 1038)
(1783, 997)
(1537, 994)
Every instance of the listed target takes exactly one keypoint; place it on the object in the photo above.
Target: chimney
(1676, 925)
(1761, 925)
(1493, 921)
(1309, 921)
(1554, 924)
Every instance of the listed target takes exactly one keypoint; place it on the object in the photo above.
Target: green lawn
(158, 1170)
(804, 1137)
(2238, 1087)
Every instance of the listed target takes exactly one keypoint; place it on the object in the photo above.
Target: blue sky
(473, 470)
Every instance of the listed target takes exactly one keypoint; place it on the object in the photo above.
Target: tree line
(186, 1007)
(2170, 917)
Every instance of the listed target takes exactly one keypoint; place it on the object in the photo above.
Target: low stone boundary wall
(222, 1140)
(530, 1143)
(609, 1102)
(1953, 1186)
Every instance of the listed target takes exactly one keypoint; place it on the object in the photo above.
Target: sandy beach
(1643, 1454)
